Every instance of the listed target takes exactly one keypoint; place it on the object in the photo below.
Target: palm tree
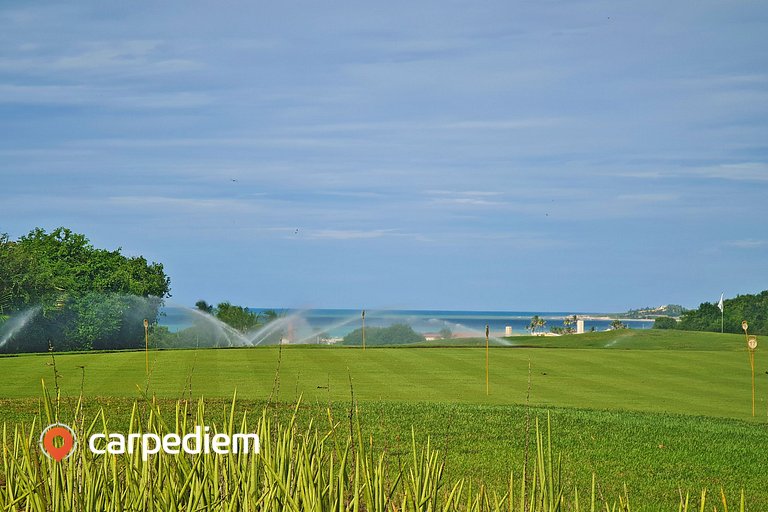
(618, 324)
(204, 306)
(569, 322)
(535, 323)
(269, 315)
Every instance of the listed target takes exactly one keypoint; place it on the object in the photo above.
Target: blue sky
(576, 156)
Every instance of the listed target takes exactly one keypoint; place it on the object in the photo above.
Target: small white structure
(579, 326)
(508, 330)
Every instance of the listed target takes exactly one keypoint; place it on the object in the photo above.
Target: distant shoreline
(611, 318)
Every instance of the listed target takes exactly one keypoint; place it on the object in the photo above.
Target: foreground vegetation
(305, 466)
(650, 457)
(655, 421)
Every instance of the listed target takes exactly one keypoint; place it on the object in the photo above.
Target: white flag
(720, 304)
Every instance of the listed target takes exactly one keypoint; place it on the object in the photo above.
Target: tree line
(707, 317)
(238, 317)
(396, 334)
(78, 297)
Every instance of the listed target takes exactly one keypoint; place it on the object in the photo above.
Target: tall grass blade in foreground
(296, 470)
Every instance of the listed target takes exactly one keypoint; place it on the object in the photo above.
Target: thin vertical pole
(487, 388)
(745, 327)
(146, 345)
(752, 364)
(363, 329)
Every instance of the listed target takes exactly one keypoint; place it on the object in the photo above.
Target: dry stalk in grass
(296, 470)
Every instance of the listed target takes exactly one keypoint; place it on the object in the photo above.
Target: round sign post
(751, 346)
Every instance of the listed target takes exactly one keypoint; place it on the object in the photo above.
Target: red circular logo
(61, 449)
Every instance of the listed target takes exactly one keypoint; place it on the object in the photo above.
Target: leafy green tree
(204, 307)
(269, 315)
(665, 322)
(707, 317)
(90, 298)
(396, 334)
(238, 317)
(618, 324)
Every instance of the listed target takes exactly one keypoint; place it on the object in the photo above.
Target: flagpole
(487, 389)
(146, 345)
(721, 305)
(363, 329)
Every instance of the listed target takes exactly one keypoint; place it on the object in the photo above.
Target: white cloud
(648, 198)
(434, 125)
(743, 171)
(352, 234)
(747, 244)
(99, 58)
(462, 192)
(114, 97)
(174, 142)
(465, 201)
(511, 124)
(131, 205)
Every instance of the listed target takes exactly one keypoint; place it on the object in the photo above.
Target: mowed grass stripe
(607, 406)
(687, 382)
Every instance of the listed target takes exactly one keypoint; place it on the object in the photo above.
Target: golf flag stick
(146, 344)
(721, 305)
(751, 346)
(363, 329)
(752, 365)
(487, 389)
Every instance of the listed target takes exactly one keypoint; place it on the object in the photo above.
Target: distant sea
(339, 322)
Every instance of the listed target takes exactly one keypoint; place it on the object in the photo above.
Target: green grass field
(657, 411)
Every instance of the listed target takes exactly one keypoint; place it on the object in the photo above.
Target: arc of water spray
(262, 333)
(455, 326)
(225, 329)
(316, 332)
(17, 323)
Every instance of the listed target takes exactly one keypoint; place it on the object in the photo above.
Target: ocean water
(336, 323)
